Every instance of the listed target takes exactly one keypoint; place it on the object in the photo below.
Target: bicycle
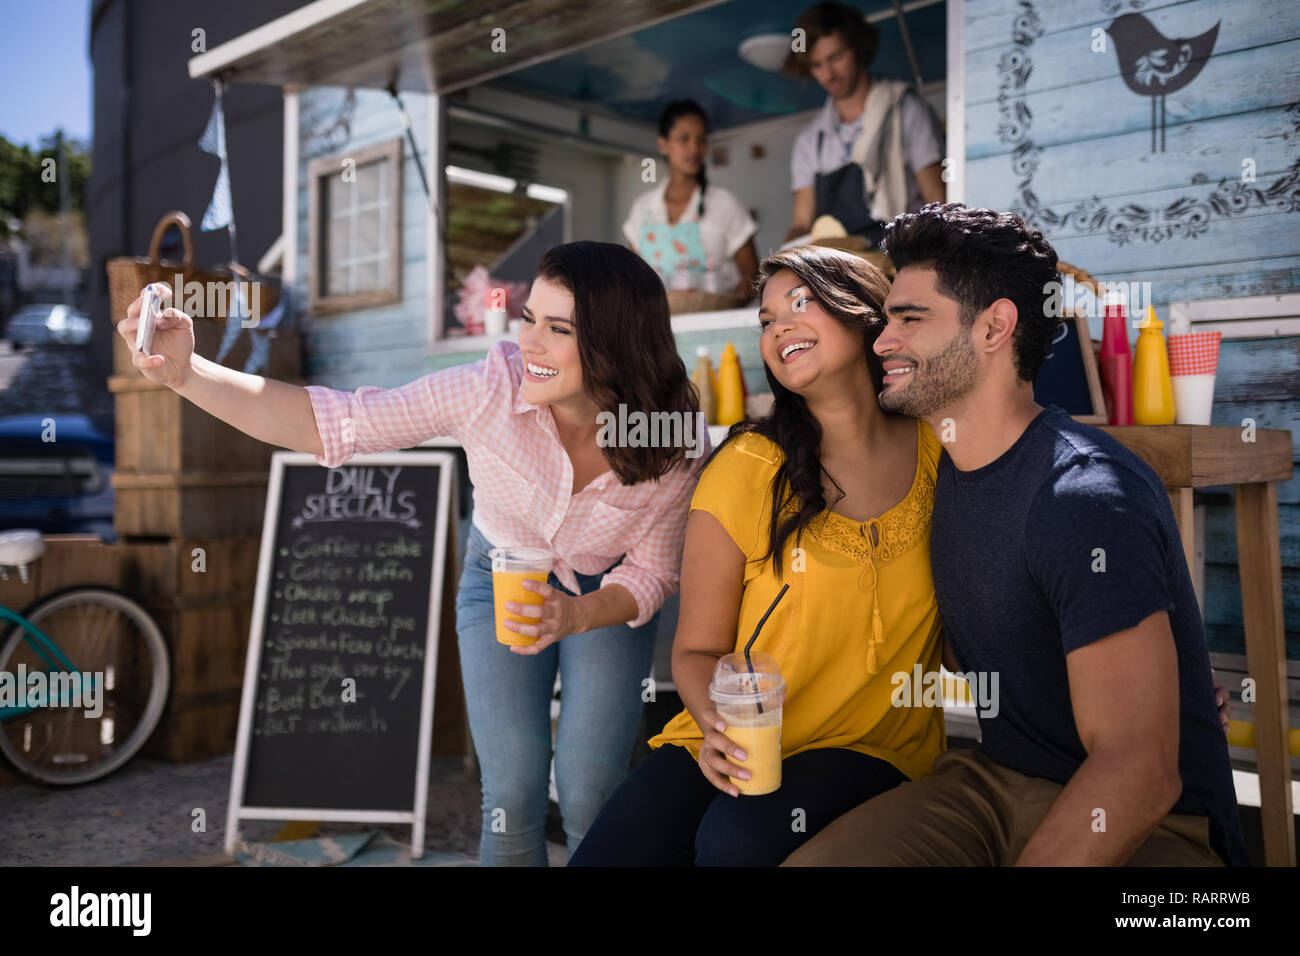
(104, 669)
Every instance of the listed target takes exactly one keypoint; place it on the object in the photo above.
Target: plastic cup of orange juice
(510, 566)
(750, 702)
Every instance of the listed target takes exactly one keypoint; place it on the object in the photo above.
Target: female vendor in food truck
(696, 236)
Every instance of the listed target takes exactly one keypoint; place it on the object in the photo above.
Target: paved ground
(144, 814)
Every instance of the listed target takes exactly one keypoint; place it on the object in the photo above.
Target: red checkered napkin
(1195, 353)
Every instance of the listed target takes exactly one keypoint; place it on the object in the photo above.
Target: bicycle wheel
(112, 638)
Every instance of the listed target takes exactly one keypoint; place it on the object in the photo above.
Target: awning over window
(423, 45)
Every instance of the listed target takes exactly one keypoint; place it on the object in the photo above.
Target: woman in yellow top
(851, 539)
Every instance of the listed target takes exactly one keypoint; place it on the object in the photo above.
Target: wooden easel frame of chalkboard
(415, 817)
(1098, 414)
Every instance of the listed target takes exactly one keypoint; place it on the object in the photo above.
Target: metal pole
(62, 171)
(907, 43)
(415, 154)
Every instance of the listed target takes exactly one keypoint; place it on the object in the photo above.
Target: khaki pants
(974, 812)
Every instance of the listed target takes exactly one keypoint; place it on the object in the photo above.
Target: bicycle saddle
(20, 547)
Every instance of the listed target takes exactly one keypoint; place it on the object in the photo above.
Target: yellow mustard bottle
(731, 394)
(704, 388)
(1153, 389)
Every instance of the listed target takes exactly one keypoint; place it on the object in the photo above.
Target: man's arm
(923, 147)
(931, 185)
(1124, 692)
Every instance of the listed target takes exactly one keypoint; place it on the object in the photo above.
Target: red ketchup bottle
(1116, 363)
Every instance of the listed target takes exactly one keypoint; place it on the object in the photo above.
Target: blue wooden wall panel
(1122, 164)
(990, 22)
(1055, 134)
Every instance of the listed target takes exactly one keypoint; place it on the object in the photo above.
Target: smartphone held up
(151, 307)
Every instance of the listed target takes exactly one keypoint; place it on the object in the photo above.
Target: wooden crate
(159, 431)
(140, 569)
(189, 567)
(201, 504)
(40, 726)
(196, 728)
(204, 618)
(207, 641)
(69, 559)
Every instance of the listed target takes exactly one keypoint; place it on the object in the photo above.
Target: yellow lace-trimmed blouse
(861, 609)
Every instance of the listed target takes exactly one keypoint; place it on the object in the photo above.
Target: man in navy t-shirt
(1062, 585)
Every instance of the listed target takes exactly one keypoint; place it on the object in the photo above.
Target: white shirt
(724, 230)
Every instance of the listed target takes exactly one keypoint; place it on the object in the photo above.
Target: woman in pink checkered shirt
(596, 339)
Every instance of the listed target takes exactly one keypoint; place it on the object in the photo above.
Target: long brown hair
(852, 291)
(625, 345)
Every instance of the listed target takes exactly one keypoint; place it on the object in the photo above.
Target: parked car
(57, 487)
(48, 324)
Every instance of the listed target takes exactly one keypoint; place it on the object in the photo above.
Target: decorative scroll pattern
(1187, 217)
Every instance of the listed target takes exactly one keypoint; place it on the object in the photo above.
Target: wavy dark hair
(852, 291)
(625, 344)
(671, 114)
(822, 20)
(979, 256)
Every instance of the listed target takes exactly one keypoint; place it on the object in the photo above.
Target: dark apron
(842, 193)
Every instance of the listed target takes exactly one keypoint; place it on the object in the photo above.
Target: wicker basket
(859, 247)
(127, 275)
(681, 301)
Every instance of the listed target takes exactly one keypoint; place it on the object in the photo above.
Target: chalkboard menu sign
(1069, 377)
(337, 705)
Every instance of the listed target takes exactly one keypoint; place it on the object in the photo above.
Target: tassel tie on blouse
(877, 626)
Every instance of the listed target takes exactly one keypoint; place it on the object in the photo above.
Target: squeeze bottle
(1116, 364)
(731, 395)
(704, 388)
(1153, 389)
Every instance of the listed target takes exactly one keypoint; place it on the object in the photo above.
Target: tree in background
(31, 200)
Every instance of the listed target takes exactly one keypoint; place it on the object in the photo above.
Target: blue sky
(44, 69)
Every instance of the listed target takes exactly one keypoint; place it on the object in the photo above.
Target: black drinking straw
(761, 622)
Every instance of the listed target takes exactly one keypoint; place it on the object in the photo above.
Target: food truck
(1153, 143)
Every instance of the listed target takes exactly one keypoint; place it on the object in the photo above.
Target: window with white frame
(355, 242)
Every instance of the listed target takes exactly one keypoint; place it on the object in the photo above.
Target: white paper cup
(1193, 399)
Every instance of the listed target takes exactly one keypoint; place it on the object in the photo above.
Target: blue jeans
(509, 701)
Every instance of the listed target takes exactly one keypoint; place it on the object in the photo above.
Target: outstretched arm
(274, 412)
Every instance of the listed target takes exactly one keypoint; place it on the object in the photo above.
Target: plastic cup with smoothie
(750, 703)
(510, 567)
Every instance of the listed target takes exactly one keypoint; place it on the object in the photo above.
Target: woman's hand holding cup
(173, 343)
(715, 766)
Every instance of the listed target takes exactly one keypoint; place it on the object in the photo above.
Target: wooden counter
(1253, 462)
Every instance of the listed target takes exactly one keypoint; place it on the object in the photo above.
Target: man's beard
(938, 382)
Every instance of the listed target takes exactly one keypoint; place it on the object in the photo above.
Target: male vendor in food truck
(876, 148)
